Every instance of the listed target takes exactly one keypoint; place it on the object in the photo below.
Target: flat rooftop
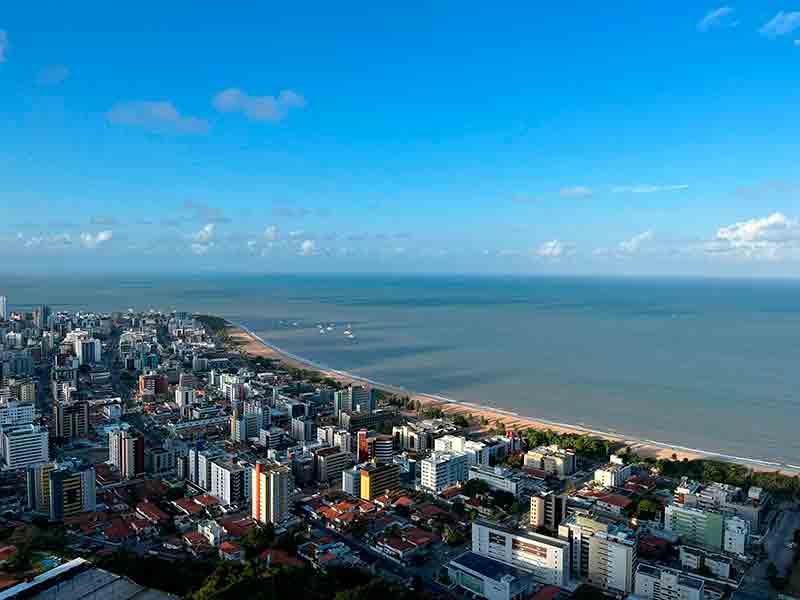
(488, 567)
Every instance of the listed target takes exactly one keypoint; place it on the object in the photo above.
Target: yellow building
(379, 479)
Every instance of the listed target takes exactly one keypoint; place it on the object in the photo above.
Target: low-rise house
(231, 551)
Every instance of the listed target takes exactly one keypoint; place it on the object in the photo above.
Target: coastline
(252, 344)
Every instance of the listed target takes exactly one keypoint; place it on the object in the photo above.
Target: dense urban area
(148, 455)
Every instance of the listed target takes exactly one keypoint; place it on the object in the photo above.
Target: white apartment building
(662, 583)
(442, 470)
(614, 474)
(735, 534)
(613, 560)
(227, 482)
(16, 413)
(499, 478)
(546, 558)
(24, 446)
(477, 453)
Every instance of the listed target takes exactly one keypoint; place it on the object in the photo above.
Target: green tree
(772, 572)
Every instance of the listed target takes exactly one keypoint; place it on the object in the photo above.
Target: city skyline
(536, 140)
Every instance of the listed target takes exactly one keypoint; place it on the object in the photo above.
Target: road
(776, 545)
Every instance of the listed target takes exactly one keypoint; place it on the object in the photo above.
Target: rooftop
(487, 567)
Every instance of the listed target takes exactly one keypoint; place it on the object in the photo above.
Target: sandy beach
(249, 343)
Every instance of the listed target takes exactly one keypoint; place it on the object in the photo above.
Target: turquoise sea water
(706, 364)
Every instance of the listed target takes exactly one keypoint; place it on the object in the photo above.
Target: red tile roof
(194, 538)
(548, 592)
(230, 547)
(188, 506)
(616, 500)
(238, 527)
(280, 557)
(151, 512)
(7, 552)
(206, 500)
(117, 530)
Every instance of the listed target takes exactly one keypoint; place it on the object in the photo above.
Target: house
(614, 504)
(396, 548)
(6, 553)
(280, 558)
(117, 531)
(231, 551)
(142, 528)
(237, 528)
(187, 506)
(151, 512)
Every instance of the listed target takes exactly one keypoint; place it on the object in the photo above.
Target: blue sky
(544, 138)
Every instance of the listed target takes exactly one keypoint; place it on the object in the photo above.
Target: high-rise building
(24, 446)
(227, 482)
(441, 470)
(695, 525)
(126, 453)
(3, 308)
(356, 398)
(304, 429)
(70, 419)
(548, 509)
(734, 539)
(16, 413)
(248, 419)
(351, 481)
(578, 529)
(362, 398)
(184, 397)
(270, 493)
(613, 560)
(378, 479)
(363, 446)
(89, 351)
(547, 558)
(61, 490)
(330, 462)
(381, 448)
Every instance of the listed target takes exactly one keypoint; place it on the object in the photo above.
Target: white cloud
(781, 24)
(308, 247)
(632, 245)
(577, 191)
(772, 237)
(52, 240)
(159, 117)
(91, 241)
(271, 233)
(719, 17)
(551, 249)
(258, 108)
(52, 75)
(797, 42)
(203, 240)
(205, 235)
(647, 188)
(3, 45)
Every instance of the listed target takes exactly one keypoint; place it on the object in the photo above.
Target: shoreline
(250, 343)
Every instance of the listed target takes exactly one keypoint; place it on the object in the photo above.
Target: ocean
(701, 363)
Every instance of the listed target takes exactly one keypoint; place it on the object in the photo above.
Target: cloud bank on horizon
(343, 142)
